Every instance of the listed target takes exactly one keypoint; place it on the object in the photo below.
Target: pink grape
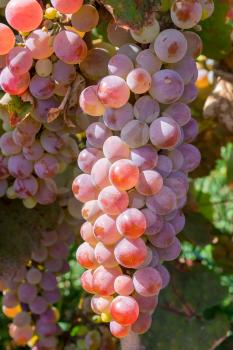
(113, 91)
(91, 210)
(105, 230)
(64, 6)
(27, 292)
(164, 238)
(147, 281)
(90, 102)
(87, 233)
(135, 133)
(194, 44)
(147, 60)
(23, 139)
(14, 84)
(85, 256)
(8, 145)
(170, 253)
(115, 119)
(33, 152)
(86, 18)
(164, 165)
(100, 173)
(19, 166)
(97, 133)
(170, 46)
(105, 255)
(192, 157)
(124, 310)
(190, 131)
(187, 69)
(130, 253)
(51, 142)
(143, 323)
(115, 149)
(123, 174)
(7, 39)
(39, 43)
(63, 73)
(83, 188)
(146, 109)
(145, 157)
(76, 48)
(19, 60)
(178, 185)
(87, 158)
(136, 200)
(87, 281)
(154, 222)
(41, 88)
(139, 81)
(146, 304)
(25, 188)
(163, 202)
(123, 285)
(167, 86)
(103, 280)
(186, 14)
(118, 330)
(25, 15)
(180, 112)
(21, 335)
(120, 65)
(47, 166)
(112, 201)
(42, 107)
(117, 35)
(177, 159)
(101, 304)
(190, 93)
(131, 223)
(178, 222)
(38, 306)
(47, 192)
(130, 50)
(149, 183)
(165, 275)
(165, 133)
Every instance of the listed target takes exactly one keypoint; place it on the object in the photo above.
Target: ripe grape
(164, 238)
(165, 275)
(145, 157)
(124, 310)
(19, 60)
(27, 292)
(115, 149)
(44, 67)
(136, 200)
(26, 187)
(146, 109)
(87, 158)
(190, 93)
(112, 201)
(180, 112)
(120, 65)
(147, 60)
(87, 233)
(97, 133)
(85, 256)
(91, 211)
(90, 102)
(39, 305)
(192, 157)
(115, 119)
(103, 280)
(87, 281)
(40, 44)
(130, 50)
(186, 14)
(20, 167)
(149, 183)
(131, 223)
(194, 44)
(147, 33)
(170, 253)
(146, 304)
(117, 35)
(165, 133)
(95, 65)
(118, 330)
(170, 46)
(7, 39)
(83, 188)
(190, 130)
(14, 84)
(178, 222)
(85, 19)
(207, 8)
(105, 230)
(123, 174)
(113, 91)
(139, 81)
(64, 6)
(130, 253)
(135, 133)
(8, 145)
(104, 255)
(47, 166)
(41, 88)
(100, 173)
(123, 285)
(163, 202)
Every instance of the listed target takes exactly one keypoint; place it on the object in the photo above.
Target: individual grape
(25, 15)
(33, 152)
(87, 158)
(20, 167)
(26, 187)
(26, 292)
(178, 222)
(85, 19)
(39, 305)
(149, 183)
(177, 159)
(163, 202)
(14, 84)
(8, 145)
(194, 44)
(135, 133)
(178, 185)
(185, 14)
(100, 173)
(147, 281)
(165, 275)
(47, 192)
(63, 73)
(42, 108)
(115, 149)
(101, 304)
(130, 253)
(41, 88)
(170, 253)
(91, 211)
(105, 230)
(64, 6)
(131, 223)
(120, 65)
(207, 8)
(139, 81)
(44, 67)
(192, 157)
(124, 310)
(170, 46)
(87, 233)
(165, 133)
(117, 35)
(10, 299)
(90, 102)
(48, 281)
(39, 43)
(105, 255)
(115, 119)
(83, 188)
(145, 157)
(103, 280)
(7, 39)
(112, 201)
(21, 335)
(23, 139)
(190, 93)
(147, 33)
(147, 60)
(85, 256)
(143, 323)
(123, 174)
(118, 330)
(164, 238)
(19, 60)
(51, 142)
(123, 285)
(113, 91)
(97, 133)
(22, 319)
(130, 50)
(136, 200)
(95, 65)
(87, 281)
(186, 68)
(180, 112)
(146, 304)
(47, 166)
(154, 222)
(167, 86)
(76, 48)
(146, 109)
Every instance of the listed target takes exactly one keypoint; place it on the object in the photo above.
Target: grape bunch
(29, 296)
(135, 166)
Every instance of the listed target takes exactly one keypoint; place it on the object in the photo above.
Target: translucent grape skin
(87, 281)
(164, 238)
(180, 112)
(149, 183)
(112, 201)
(85, 256)
(123, 285)
(130, 253)
(19, 60)
(105, 230)
(115, 149)
(147, 281)
(147, 60)
(146, 109)
(83, 188)
(90, 103)
(100, 173)
(163, 202)
(113, 91)
(87, 158)
(64, 6)
(25, 15)
(139, 81)
(7, 39)
(63, 73)
(143, 323)
(165, 133)
(147, 33)
(194, 44)
(118, 330)
(124, 310)
(103, 280)
(14, 84)
(85, 19)
(95, 65)
(117, 35)
(97, 133)
(123, 174)
(40, 44)
(135, 133)
(186, 14)
(105, 255)
(115, 119)
(146, 304)
(47, 166)
(41, 88)
(87, 233)
(120, 65)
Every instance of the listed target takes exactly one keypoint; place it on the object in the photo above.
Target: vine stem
(131, 342)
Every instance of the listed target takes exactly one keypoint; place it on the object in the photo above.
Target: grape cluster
(29, 296)
(135, 167)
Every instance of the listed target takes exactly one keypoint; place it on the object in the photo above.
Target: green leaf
(216, 32)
